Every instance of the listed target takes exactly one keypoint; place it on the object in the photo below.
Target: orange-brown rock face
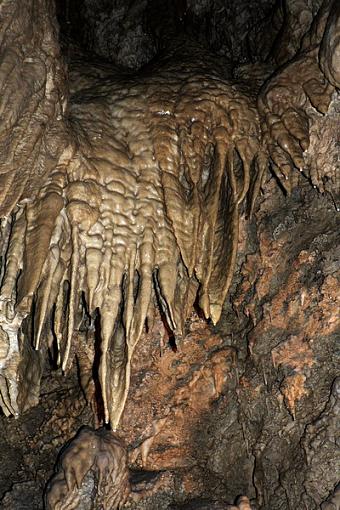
(122, 206)
(171, 392)
(293, 309)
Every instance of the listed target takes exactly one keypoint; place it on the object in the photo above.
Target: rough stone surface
(252, 400)
(249, 406)
(92, 473)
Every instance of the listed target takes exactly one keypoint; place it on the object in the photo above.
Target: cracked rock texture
(250, 406)
(169, 251)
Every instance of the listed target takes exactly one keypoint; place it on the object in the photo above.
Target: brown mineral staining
(295, 352)
(174, 391)
(329, 308)
(92, 473)
(293, 390)
(295, 316)
(293, 300)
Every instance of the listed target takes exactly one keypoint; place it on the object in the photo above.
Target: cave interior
(169, 254)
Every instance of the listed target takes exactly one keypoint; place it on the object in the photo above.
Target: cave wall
(249, 405)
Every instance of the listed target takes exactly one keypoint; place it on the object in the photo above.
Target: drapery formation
(125, 196)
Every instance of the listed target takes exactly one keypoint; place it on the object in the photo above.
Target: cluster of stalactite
(144, 210)
(126, 196)
(297, 93)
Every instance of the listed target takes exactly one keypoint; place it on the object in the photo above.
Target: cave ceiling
(132, 33)
(136, 137)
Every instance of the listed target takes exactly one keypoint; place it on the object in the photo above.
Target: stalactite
(292, 102)
(153, 190)
(136, 193)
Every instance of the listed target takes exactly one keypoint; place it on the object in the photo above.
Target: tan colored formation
(145, 208)
(295, 99)
(127, 197)
(92, 473)
(242, 503)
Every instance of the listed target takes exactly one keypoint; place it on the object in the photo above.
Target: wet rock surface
(249, 406)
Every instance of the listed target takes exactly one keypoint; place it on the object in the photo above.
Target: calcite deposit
(142, 207)
(290, 100)
(128, 197)
(92, 473)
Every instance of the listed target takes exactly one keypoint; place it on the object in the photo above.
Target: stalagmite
(127, 199)
(92, 473)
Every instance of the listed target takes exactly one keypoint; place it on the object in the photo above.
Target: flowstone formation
(96, 462)
(141, 209)
(290, 104)
(124, 197)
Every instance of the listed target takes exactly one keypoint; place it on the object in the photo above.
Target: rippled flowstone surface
(169, 256)
(252, 401)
